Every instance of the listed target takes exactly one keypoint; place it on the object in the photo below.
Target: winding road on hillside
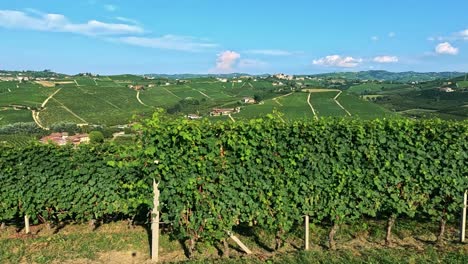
(232, 118)
(70, 111)
(204, 94)
(35, 114)
(172, 93)
(311, 107)
(279, 97)
(139, 100)
(50, 97)
(338, 103)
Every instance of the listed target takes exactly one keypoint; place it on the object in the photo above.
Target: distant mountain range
(190, 76)
(409, 76)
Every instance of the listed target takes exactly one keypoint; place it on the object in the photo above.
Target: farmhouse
(137, 87)
(222, 80)
(193, 116)
(446, 89)
(63, 139)
(248, 100)
(224, 111)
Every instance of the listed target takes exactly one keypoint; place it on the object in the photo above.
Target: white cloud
(457, 36)
(170, 42)
(59, 23)
(374, 38)
(271, 52)
(127, 20)
(338, 61)
(391, 34)
(226, 61)
(463, 34)
(110, 8)
(385, 59)
(446, 48)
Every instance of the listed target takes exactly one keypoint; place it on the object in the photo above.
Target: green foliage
(70, 128)
(263, 172)
(96, 137)
(21, 128)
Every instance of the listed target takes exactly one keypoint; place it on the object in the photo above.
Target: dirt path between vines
(311, 107)
(338, 103)
(171, 93)
(35, 114)
(50, 97)
(69, 110)
(139, 100)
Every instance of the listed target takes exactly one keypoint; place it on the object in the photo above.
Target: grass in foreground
(116, 243)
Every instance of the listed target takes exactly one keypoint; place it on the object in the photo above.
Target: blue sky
(213, 36)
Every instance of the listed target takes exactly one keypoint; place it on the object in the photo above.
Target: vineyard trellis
(269, 173)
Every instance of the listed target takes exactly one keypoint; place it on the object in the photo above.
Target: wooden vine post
(463, 218)
(239, 243)
(306, 232)
(155, 224)
(26, 224)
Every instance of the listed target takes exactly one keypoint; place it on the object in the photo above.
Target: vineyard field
(272, 173)
(10, 116)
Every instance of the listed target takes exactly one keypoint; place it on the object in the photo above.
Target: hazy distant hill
(191, 76)
(409, 76)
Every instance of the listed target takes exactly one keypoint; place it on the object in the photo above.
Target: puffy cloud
(391, 34)
(385, 59)
(226, 61)
(446, 48)
(59, 23)
(338, 61)
(170, 42)
(374, 38)
(271, 52)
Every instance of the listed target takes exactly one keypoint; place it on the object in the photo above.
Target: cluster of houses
(235, 80)
(14, 78)
(63, 139)
(248, 100)
(20, 77)
(283, 76)
(446, 89)
(224, 111)
(140, 87)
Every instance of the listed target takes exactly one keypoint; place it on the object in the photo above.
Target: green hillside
(116, 100)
